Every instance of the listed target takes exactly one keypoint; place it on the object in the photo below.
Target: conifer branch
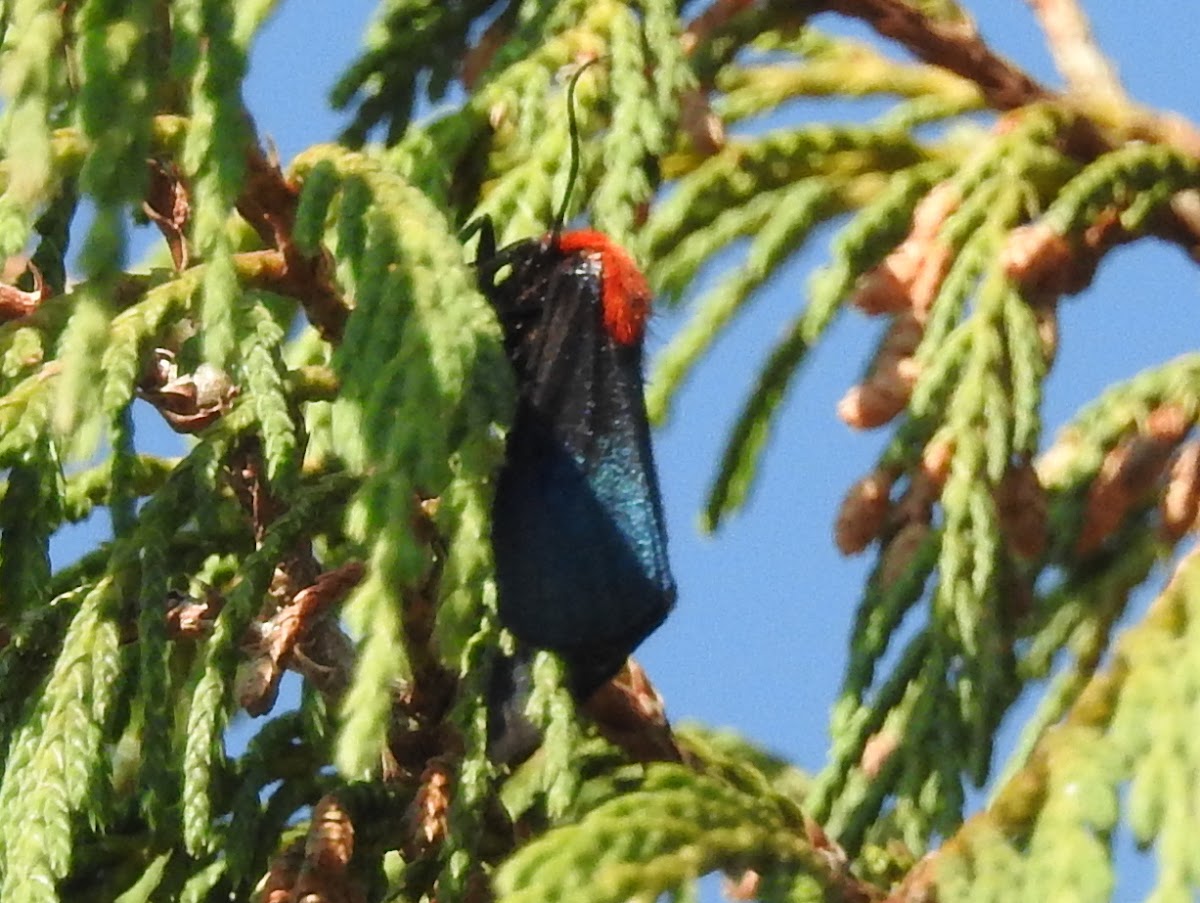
(1017, 805)
(269, 203)
(347, 472)
(952, 46)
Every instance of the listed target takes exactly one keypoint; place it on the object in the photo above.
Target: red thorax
(624, 292)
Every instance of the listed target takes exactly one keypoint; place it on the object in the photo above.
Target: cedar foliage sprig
(332, 517)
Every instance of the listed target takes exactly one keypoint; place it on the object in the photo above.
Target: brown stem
(950, 46)
(293, 622)
(426, 698)
(268, 203)
(712, 20)
(1105, 119)
(168, 205)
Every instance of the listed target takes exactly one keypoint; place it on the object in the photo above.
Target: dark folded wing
(578, 530)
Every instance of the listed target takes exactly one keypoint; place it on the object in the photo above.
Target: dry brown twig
(949, 45)
(168, 205)
(1103, 119)
(1006, 87)
(712, 20)
(190, 618)
(189, 402)
(292, 629)
(1089, 74)
(15, 302)
(281, 642)
(268, 203)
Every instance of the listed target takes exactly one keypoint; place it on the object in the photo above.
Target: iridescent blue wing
(578, 528)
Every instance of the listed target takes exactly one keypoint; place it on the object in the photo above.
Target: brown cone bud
(1047, 330)
(901, 550)
(1180, 503)
(1021, 506)
(909, 277)
(330, 842)
(886, 391)
(869, 405)
(1037, 257)
(1129, 472)
(429, 812)
(936, 460)
(916, 505)
(878, 749)
(863, 513)
(1168, 423)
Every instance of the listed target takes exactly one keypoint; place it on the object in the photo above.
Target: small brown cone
(864, 512)
(1021, 506)
(1180, 503)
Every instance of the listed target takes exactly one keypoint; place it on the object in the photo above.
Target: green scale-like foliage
(316, 327)
(400, 319)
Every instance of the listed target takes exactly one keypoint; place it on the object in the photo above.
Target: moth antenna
(573, 132)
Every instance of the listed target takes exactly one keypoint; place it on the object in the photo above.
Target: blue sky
(758, 639)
